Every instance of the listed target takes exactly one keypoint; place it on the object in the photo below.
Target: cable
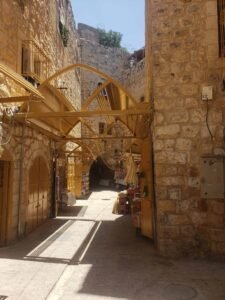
(207, 117)
(11, 125)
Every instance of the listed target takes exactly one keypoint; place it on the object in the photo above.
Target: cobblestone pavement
(89, 253)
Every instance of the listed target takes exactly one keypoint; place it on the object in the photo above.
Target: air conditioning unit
(26, 61)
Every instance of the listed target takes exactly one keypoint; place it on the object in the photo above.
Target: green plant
(21, 4)
(64, 32)
(110, 38)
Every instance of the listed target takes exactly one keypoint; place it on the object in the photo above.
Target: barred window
(221, 22)
(101, 127)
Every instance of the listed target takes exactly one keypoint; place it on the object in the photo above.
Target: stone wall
(133, 80)
(184, 59)
(37, 21)
(115, 62)
(24, 146)
(111, 61)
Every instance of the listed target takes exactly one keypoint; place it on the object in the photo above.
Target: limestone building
(183, 152)
(37, 38)
(41, 91)
(116, 63)
(185, 74)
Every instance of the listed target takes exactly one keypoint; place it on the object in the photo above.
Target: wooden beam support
(80, 114)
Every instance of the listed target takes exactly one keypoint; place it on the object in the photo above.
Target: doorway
(101, 176)
(37, 210)
(4, 200)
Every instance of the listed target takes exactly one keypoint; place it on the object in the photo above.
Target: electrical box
(212, 177)
(207, 93)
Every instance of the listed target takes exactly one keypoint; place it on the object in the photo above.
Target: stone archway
(100, 175)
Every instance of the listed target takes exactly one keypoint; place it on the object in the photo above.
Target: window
(221, 22)
(109, 130)
(101, 127)
(35, 64)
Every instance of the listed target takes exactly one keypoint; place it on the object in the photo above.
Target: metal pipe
(21, 176)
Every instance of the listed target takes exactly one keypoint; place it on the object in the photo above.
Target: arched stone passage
(100, 175)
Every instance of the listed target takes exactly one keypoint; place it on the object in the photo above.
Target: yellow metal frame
(20, 81)
(94, 70)
(57, 112)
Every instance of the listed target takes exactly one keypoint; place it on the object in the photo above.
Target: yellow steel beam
(84, 122)
(78, 114)
(91, 69)
(74, 150)
(101, 138)
(96, 92)
(17, 99)
(40, 128)
(20, 80)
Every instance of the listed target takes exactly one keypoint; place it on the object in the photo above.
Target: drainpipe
(155, 237)
(54, 184)
(21, 176)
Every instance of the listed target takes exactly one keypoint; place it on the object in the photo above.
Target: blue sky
(125, 16)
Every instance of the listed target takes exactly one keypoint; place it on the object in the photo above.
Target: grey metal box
(212, 177)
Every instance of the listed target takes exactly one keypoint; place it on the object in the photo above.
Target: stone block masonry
(38, 21)
(112, 61)
(185, 57)
(115, 63)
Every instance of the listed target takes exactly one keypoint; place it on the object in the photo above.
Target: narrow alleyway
(89, 253)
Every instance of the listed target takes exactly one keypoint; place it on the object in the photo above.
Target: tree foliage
(110, 38)
(64, 32)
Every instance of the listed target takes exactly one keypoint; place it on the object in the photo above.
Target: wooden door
(43, 191)
(4, 199)
(71, 186)
(78, 179)
(146, 185)
(74, 177)
(37, 210)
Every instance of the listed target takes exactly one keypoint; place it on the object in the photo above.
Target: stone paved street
(97, 255)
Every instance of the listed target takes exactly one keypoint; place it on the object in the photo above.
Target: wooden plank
(78, 114)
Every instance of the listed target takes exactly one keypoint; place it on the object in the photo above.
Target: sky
(124, 16)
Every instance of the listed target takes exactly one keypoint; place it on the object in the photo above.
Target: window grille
(101, 127)
(35, 63)
(221, 23)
